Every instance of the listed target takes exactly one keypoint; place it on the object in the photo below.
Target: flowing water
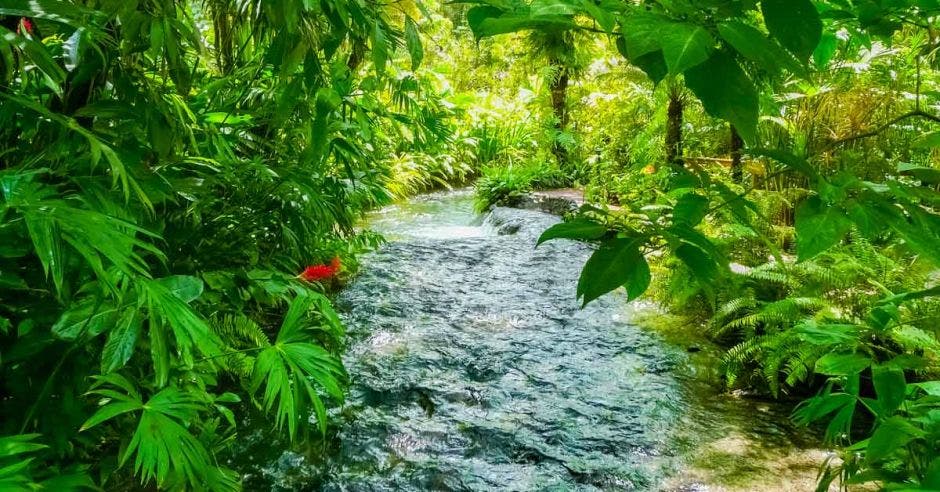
(473, 368)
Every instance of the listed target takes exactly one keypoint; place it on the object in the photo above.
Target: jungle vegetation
(180, 182)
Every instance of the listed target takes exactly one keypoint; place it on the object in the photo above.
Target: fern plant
(161, 185)
(776, 322)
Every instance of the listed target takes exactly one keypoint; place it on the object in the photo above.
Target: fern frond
(731, 307)
(239, 331)
(241, 334)
(802, 362)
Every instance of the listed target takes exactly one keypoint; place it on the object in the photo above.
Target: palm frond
(290, 367)
(164, 450)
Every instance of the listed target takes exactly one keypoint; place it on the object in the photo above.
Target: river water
(473, 368)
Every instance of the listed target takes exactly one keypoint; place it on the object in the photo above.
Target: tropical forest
(470, 245)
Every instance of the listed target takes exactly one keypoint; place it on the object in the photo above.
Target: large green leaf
(890, 386)
(618, 262)
(582, 229)
(683, 45)
(726, 92)
(487, 20)
(826, 49)
(653, 63)
(795, 23)
(927, 140)
(813, 332)
(919, 228)
(119, 347)
(837, 364)
(19, 444)
(690, 209)
(865, 219)
(757, 47)
(45, 234)
(380, 47)
(85, 318)
(185, 287)
(604, 17)
(923, 173)
(684, 233)
(822, 405)
(480, 14)
(701, 264)
(819, 227)
(897, 299)
(413, 43)
(889, 437)
(640, 32)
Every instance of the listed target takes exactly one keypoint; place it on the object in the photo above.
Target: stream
(473, 368)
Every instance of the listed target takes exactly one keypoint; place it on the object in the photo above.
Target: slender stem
(746, 192)
(877, 131)
(242, 351)
(46, 387)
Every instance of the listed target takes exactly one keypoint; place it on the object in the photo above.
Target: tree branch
(913, 114)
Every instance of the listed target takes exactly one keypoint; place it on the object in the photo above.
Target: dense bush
(179, 183)
(777, 181)
(506, 185)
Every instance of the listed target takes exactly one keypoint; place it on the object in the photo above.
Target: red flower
(26, 25)
(315, 273)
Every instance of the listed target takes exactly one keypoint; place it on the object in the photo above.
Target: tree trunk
(674, 127)
(560, 111)
(737, 171)
(355, 56)
(224, 42)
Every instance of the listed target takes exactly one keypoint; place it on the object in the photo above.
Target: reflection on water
(472, 368)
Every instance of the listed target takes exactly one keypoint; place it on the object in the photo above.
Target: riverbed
(472, 367)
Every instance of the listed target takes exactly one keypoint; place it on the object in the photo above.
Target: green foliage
(18, 472)
(508, 185)
(669, 39)
(288, 367)
(575, 229)
(164, 449)
(814, 259)
(168, 168)
(795, 24)
(726, 92)
(617, 262)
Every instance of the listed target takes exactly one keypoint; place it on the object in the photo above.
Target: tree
(674, 113)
